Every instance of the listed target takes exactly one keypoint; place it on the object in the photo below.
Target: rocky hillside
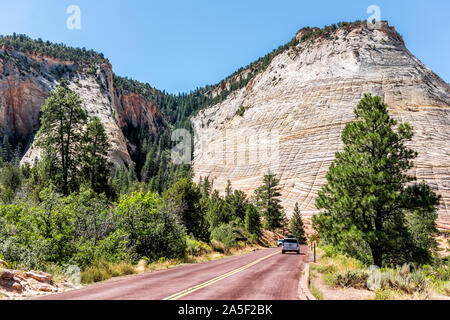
(27, 78)
(302, 100)
(299, 97)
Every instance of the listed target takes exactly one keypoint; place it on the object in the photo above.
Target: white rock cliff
(298, 106)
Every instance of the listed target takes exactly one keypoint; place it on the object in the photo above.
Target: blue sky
(178, 45)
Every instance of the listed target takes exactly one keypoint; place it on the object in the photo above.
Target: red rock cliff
(27, 80)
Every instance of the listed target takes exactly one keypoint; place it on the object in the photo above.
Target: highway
(261, 275)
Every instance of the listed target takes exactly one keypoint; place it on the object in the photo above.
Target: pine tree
(121, 180)
(268, 202)
(284, 222)
(60, 137)
(2, 160)
(10, 181)
(149, 168)
(6, 149)
(95, 166)
(228, 190)
(218, 212)
(296, 226)
(205, 186)
(184, 200)
(370, 204)
(238, 203)
(252, 220)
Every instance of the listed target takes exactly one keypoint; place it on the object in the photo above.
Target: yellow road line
(185, 292)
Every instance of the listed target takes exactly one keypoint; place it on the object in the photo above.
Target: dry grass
(316, 292)
(102, 270)
(338, 273)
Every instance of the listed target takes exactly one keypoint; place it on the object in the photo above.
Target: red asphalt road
(251, 276)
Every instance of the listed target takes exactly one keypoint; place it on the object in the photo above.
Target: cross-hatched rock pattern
(27, 80)
(298, 107)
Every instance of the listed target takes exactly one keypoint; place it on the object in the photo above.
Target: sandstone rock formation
(297, 108)
(27, 79)
(17, 284)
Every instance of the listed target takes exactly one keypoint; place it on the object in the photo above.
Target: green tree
(218, 212)
(19, 240)
(297, 228)
(95, 166)
(11, 177)
(60, 136)
(6, 149)
(238, 204)
(284, 222)
(56, 225)
(153, 232)
(228, 190)
(252, 220)
(225, 234)
(205, 186)
(94, 219)
(369, 202)
(120, 180)
(132, 176)
(150, 167)
(268, 201)
(184, 199)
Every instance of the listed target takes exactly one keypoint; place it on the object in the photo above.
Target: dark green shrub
(241, 111)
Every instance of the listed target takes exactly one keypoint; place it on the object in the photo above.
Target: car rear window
(290, 241)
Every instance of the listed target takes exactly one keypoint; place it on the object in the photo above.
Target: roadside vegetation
(104, 270)
(375, 216)
(401, 282)
(74, 208)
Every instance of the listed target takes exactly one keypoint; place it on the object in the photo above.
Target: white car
(290, 245)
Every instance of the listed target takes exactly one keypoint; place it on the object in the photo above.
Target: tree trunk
(377, 255)
(377, 250)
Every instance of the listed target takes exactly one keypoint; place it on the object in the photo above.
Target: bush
(241, 111)
(103, 270)
(352, 279)
(224, 234)
(385, 294)
(94, 274)
(82, 228)
(446, 288)
(153, 232)
(113, 249)
(329, 251)
(21, 243)
(218, 246)
(441, 272)
(403, 280)
(253, 239)
(196, 248)
(316, 292)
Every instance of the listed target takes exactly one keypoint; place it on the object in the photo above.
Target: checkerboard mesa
(306, 94)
